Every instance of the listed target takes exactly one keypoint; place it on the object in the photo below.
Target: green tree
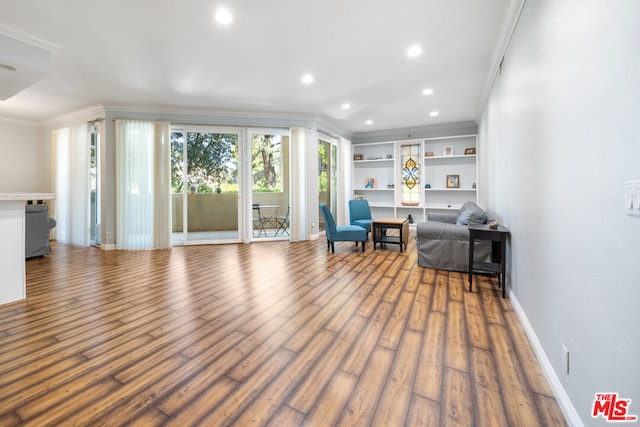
(266, 163)
(323, 162)
(211, 159)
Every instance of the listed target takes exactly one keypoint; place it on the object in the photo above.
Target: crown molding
(224, 116)
(19, 122)
(450, 129)
(212, 112)
(87, 113)
(28, 38)
(190, 115)
(502, 45)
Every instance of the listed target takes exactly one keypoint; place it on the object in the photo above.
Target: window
(410, 169)
(266, 167)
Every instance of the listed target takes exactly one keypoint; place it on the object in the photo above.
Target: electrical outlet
(565, 359)
(108, 237)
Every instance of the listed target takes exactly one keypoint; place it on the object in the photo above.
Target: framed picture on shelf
(453, 181)
(447, 150)
(358, 157)
(370, 183)
(468, 151)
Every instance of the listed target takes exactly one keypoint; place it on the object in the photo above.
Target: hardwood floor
(272, 333)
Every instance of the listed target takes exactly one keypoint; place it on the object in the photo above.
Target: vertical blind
(143, 184)
(71, 177)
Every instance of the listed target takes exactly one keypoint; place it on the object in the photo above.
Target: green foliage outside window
(266, 165)
(323, 162)
(213, 159)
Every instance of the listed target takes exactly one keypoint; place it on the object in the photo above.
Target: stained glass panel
(410, 174)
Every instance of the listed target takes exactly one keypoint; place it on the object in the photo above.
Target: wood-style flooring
(271, 333)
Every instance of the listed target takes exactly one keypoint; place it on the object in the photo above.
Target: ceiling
(172, 55)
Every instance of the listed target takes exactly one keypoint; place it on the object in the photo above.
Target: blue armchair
(360, 214)
(341, 233)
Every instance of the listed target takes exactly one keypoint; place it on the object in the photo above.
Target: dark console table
(499, 247)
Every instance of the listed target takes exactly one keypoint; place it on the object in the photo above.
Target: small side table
(379, 227)
(497, 235)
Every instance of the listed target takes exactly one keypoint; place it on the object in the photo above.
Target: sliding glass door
(270, 211)
(204, 180)
(328, 175)
(94, 184)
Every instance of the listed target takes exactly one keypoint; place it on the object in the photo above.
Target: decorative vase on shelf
(410, 218)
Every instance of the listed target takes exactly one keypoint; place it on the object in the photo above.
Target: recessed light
(223, 16)
(346, 106)
(414, 51)
(307, 79)
(433, 113)
(369, 122)
(427, 91)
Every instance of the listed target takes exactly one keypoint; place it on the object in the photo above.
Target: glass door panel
(204, 179)
(270, 184)
(327, 177)
(94, 185)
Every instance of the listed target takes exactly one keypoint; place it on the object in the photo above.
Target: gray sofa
(36, 230)
(443, 241)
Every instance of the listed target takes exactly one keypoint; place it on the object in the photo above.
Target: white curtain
(71, 176)
(143, 185)
(345, 193)
(298, 161)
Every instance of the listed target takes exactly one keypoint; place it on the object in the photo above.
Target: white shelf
(444, 207)
(456, 156)
(373, 160)
(374, 189)
(381, 205)
(450, 189)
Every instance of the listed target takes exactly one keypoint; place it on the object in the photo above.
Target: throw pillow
(463, 218)
(473, 215)
(478, 217)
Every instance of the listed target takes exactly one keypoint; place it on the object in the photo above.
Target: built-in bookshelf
(447, 175)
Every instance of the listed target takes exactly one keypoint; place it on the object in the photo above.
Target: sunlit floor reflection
(212, 236)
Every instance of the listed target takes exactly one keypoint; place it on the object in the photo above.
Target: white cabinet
(447, 175)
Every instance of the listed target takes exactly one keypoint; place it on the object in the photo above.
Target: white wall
(24, 163)
(559, 136)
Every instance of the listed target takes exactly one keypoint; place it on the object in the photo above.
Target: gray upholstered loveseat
(36, 230)
(443, 241)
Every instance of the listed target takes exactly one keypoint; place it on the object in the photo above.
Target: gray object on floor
(443, 241)
(36, 230)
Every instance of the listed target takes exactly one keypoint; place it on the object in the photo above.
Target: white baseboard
(109, 247)
(570, 413)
